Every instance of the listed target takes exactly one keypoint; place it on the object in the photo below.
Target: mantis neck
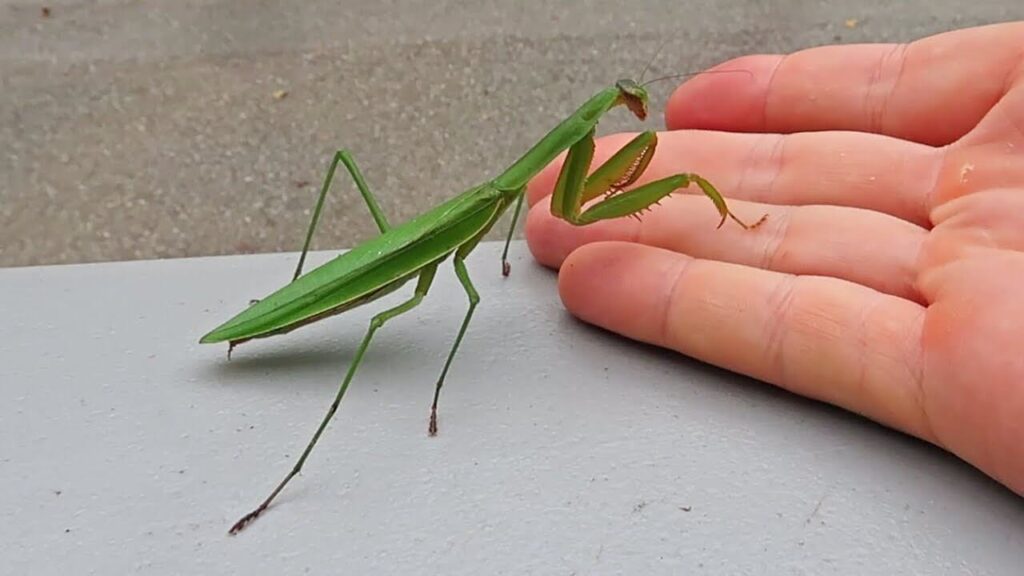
(567, 133)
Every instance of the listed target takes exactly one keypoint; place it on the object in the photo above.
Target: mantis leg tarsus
(716, 197)
(425, 279)
(344, 157)
(744, 224)
(474, 299)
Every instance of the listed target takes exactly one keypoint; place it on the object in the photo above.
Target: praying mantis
(454, 228)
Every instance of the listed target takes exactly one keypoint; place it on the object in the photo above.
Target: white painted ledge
(125, 447)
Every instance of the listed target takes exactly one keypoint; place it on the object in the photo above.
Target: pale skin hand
(889, 276)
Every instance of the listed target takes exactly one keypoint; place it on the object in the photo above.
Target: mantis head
(634, 96)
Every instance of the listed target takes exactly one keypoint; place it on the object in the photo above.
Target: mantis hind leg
(474, 299)
(574, 187)
(426, 277)
(344, 157)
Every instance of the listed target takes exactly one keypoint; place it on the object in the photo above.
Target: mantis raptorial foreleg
(474, 299)
(426, 277)
(574, 187)
(345, 157)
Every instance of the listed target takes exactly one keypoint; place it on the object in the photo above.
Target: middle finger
(862, 246)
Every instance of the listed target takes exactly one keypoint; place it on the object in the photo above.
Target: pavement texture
(172, 128)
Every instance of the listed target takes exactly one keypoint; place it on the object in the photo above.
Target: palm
(972, 276)
(888, 277)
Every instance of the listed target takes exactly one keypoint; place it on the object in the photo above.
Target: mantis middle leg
(345, 157)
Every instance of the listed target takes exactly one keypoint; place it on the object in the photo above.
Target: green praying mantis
(416, 248)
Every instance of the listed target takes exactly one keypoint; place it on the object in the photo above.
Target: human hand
(889, 276)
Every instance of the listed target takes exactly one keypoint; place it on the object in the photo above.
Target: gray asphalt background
(151, 129)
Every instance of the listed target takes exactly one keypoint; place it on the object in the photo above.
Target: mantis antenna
(657, 52)
(687, 74)
(651, 61)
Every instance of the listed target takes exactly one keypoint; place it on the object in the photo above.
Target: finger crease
(916, 370)
(928, 198)
(781, 306)
(863, 387)
(1013, 120)
(768, 91)
(775, 244)
(1014, 72)
(674, 289)
(776, 161)
(878, 111)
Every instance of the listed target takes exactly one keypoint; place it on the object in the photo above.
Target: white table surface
(126, 447)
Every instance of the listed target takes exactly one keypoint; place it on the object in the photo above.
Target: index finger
(931, 91)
